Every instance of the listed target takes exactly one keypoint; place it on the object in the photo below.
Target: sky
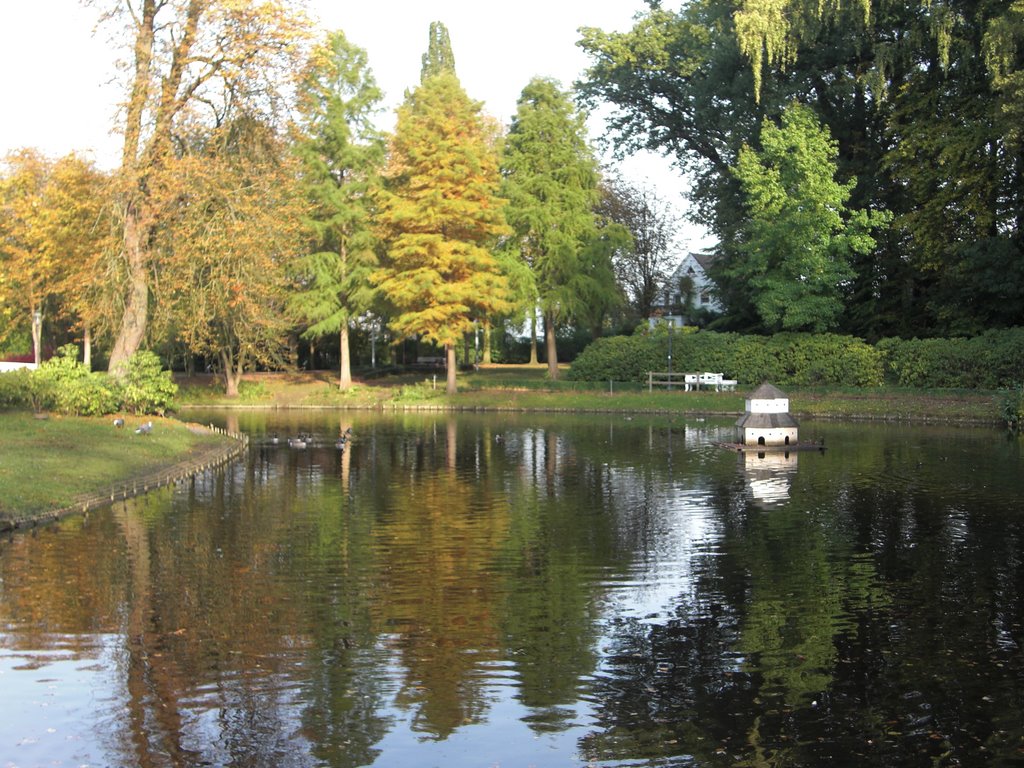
(59, 93)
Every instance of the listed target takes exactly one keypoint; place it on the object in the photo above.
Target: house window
(705, 298)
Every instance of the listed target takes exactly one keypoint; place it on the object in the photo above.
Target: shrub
(1012, 407)
(802, 359)
(147, 388)
(16, 389)
(67, 386)
(620, 358)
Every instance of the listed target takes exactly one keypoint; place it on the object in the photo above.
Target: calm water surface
(531, 591)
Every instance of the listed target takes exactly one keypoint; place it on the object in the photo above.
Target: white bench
(690, 381)
(716, 380)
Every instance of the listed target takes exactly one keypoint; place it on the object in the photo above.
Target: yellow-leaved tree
(228, 246)
(440, 215)
(193, 62)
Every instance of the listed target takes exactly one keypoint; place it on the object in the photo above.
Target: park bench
(690, 381)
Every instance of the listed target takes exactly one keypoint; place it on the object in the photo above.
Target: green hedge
(994, 360)
(790, 358)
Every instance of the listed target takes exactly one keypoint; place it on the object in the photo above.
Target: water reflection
(543, 590)
(769, 476)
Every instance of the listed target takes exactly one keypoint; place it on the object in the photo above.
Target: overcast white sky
(58, 93)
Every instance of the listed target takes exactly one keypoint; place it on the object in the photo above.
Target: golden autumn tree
(26, 273)
(79, 225)
(228, 245)
(54, 235)
(191, 62)
(440, 215)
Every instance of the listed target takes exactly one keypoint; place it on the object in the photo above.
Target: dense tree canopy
(55, 246)
(861, 167)
(920, 99)
(228, 246)
(200, 62)
(796, 246)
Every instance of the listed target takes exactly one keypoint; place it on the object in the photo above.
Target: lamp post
(37, 332)
(671, 325)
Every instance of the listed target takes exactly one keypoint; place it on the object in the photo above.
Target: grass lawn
(523, 387)
(46, 464)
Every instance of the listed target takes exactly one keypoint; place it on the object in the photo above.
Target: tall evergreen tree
(551, 182)
(439, 57)
(440, 215)
(342, 153)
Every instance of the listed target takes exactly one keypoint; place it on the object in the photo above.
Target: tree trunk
(449, 350)
(486, 358)
(136, 306)
(549, 345)
(232, 374)
(533, 340)
(37, 335)
(293, 352)
(87, 349)
(345, 375)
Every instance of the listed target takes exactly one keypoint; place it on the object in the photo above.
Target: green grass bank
(527, 388)
(59, 464)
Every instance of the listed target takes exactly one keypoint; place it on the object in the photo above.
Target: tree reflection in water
(541, 590)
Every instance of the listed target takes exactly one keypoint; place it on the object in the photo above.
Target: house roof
(768, 392)
(766, 421)
(705, 259)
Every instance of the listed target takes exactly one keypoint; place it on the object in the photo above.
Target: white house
(767, 421)
(691, 286)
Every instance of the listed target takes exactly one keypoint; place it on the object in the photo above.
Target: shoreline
(138, 485)
(520, 389)
(931, 408)
(962, 420)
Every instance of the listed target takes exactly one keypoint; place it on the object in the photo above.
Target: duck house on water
(767, 421)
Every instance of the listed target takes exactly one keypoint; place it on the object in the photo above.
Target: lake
(531, 590)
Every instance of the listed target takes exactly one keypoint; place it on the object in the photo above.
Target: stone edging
(209, 458)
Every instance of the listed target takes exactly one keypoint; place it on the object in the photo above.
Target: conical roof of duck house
(767, 420)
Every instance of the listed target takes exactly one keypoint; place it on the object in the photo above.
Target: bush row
(789, 358)
(993, 360)
(64, 385)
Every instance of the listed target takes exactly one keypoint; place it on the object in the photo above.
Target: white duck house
(767, 421)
